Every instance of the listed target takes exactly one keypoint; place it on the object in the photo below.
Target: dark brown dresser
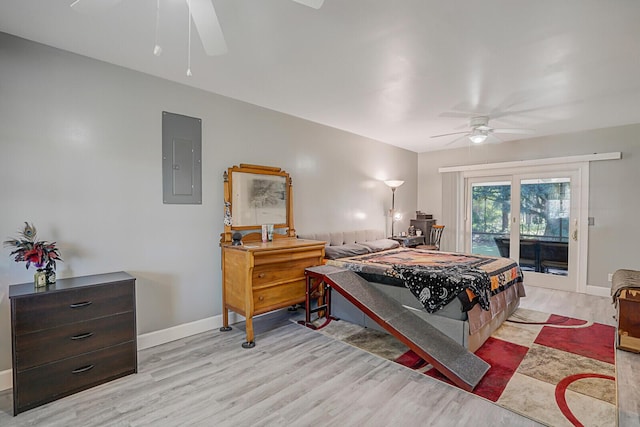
(70, 336)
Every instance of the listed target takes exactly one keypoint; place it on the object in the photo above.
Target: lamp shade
(394, 183)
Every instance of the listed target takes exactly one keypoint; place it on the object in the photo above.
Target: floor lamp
(393, 184)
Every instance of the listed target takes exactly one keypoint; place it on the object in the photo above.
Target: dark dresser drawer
(44, 311)
(72, 335)
(52, 381)
(49, 345)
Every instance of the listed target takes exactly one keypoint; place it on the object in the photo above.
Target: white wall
(80, 157)
(614, 199)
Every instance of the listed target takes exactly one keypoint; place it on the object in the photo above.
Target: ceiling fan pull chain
(157, 49)
(189, 43)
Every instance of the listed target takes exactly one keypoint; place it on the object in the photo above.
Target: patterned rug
(553, 369)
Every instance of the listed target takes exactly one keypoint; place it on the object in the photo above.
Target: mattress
(438, 278)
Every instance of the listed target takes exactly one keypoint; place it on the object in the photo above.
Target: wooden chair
(434, 238)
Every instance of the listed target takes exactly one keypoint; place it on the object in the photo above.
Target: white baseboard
(6, 379)
(152, 339)
(598, 291)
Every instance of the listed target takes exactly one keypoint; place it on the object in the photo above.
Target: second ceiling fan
(480, 130)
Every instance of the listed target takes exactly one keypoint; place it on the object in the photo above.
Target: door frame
(581, 169)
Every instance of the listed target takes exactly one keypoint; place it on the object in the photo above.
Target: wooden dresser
(70, 336)
(629, 320)
(260, 277)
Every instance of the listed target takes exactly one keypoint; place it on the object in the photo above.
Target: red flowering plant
(28, 249)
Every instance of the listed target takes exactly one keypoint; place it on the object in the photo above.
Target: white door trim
(535, 162)
(582, 169)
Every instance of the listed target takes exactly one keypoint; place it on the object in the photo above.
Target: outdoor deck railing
(542, 254)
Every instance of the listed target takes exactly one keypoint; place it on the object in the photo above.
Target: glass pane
(490, 213)
(544, 225)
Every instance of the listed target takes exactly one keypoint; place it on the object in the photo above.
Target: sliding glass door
(531, 218)
(545, 207)
(490, 202)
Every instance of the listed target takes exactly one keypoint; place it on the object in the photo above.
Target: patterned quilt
(436, 278)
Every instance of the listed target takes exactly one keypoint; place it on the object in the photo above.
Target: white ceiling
(395, 71)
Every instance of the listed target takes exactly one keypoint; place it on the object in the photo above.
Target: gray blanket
(623, 279)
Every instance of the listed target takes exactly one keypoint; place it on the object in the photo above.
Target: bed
(465, 296)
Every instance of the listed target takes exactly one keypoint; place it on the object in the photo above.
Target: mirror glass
(258, 199)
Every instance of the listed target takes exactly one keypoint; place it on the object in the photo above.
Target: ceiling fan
(480, 130)
(203, 15)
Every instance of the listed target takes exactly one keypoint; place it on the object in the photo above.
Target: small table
(319, 290)
(409, 241)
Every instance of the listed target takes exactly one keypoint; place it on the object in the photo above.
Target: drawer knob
(260, 298)
(80, 304)
(83, 369)
(261, 275)
(81, 336)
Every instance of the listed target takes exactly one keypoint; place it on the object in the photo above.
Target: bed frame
(469, 329)
(457, 329)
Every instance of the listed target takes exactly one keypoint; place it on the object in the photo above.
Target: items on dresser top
(70, 336)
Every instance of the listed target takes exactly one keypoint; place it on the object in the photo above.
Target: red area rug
(504, 358)
(556, 370)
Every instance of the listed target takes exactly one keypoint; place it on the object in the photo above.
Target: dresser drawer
(49, 345)
(43, 384)
(45, 311)
(271, 298)
(309, 255)
(280, 272)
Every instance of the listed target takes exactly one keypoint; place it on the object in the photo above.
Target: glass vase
(40, 278)
(50, 274)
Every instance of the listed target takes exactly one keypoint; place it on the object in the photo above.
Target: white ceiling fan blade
(515, 131)
(316, 4)
(92, 7)
(206, 22)
(456, 140)
(449, 134)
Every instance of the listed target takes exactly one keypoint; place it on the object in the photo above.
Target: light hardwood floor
(297, 376)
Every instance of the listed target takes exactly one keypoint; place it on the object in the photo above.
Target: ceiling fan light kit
(480, 131)
(478, 136)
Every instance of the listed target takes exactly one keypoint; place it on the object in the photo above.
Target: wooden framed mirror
(254, 196)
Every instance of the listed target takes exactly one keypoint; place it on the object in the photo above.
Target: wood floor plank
(297, 376)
